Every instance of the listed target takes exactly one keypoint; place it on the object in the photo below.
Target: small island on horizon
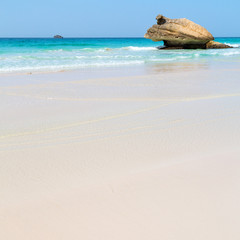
(58, 36)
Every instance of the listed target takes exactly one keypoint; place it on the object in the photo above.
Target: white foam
(68, 66)
(168, 59)
(231, 53)
(80, 57)
(131, 48)
(233, 45)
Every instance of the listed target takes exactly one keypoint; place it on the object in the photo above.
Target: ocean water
(45, 54)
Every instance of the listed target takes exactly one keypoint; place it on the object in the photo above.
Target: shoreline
(49, 55)
(149, 65)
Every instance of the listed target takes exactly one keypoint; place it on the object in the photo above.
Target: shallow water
(45, 54)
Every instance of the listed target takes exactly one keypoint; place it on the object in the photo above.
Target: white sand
(145, 154)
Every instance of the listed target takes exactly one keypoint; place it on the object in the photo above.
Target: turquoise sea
(45, 54)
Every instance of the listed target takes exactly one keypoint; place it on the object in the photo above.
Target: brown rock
(179, 33)
(213, 44)
(208, 45)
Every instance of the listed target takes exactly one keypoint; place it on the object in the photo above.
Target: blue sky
(109, 18)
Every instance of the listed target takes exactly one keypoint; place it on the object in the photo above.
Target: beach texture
(128, 153)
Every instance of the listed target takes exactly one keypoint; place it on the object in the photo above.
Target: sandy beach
(121, 153)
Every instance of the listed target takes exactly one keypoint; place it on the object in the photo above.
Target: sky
(109, 18)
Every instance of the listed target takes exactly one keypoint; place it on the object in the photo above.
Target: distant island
(58, 36)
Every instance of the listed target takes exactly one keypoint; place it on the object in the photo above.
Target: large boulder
(179, 33)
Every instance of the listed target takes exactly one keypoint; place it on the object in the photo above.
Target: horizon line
(90, 37)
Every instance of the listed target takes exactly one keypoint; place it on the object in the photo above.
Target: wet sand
(126, 153)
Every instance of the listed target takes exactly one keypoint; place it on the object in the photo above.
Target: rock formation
(181, 34)
(58, 36)
(213, 44)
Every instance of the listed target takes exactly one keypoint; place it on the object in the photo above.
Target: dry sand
(119, 154)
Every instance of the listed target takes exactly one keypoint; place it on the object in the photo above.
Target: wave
(107, 54)
(131, 48)
(101, 50)
(231, 53)
(71, 50)
(168, 59)
(234, 45)
(55, 50)
(67, 67)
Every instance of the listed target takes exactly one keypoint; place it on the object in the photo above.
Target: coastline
(138, 152)
(20, 56)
